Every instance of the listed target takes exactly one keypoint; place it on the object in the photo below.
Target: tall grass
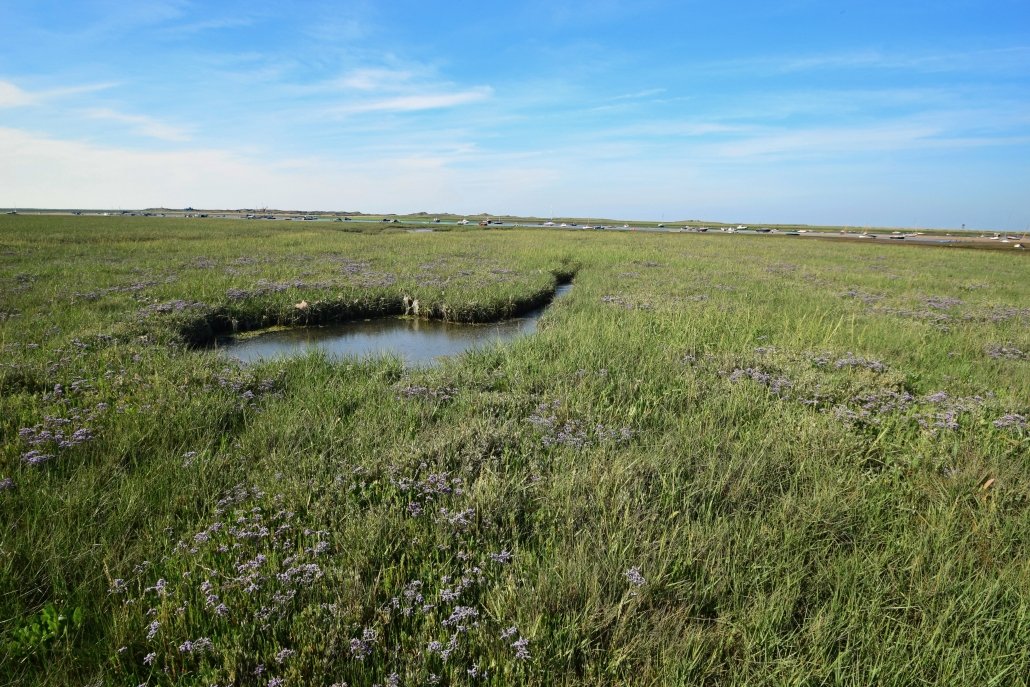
(720, 460)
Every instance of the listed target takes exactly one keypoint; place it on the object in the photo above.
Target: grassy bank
(720, 460)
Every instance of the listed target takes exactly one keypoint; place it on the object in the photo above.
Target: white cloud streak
(140, 124)
(375, 79)
(11, 95)
(416, 102)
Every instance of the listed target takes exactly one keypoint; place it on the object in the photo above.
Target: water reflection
(417, 342)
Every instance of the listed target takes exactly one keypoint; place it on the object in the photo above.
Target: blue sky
(898, 113)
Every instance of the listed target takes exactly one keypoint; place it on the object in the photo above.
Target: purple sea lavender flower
(459, 616)
(1006, 352)
(284, 655)
(1012, 420)
(196, 646)
(359, 649)
(6, 483)
(35, 457)
(521, 649)
(942, 302)
(635, 578)
(851, 360)
(510, 632)
(160, 586)
(452, 645)
(152, 629)
(302, 575)
(502, 557)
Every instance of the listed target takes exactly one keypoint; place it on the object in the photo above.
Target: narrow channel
(417, 342)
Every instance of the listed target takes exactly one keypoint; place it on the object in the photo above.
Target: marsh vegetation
(719, 460)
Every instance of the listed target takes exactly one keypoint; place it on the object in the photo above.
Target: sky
(876, 113)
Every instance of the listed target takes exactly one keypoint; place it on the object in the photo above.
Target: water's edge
(417, 341)
(219, 327)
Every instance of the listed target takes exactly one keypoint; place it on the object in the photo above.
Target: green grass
(753, 425)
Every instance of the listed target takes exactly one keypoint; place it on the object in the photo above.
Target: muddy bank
(202, 325)
(415, 340)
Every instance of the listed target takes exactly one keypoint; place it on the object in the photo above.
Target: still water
(417, 342)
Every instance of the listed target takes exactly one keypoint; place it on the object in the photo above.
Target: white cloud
(47, 172)
(12, 95)
(941, 131)
(1003, 59)
(417, 102)
(141, 124)
(375, 79)
(209, 25)
(639, 94)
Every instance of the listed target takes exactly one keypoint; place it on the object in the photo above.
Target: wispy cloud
(52, 172)
(858, 140)
(141, 125)
(12, 95)
(997, 59)
(376, 79)
(219, 24)
(416, 102)
(639, 94)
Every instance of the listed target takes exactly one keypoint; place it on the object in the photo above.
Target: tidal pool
(417, 342)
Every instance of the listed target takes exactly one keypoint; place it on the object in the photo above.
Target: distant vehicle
(548, 224)
(436, 221)
(763, 230)
(702, 229)
(484, 223)
(463, 222)
(661, 226)
(741, 226)
(792, 233)
(12, 212)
